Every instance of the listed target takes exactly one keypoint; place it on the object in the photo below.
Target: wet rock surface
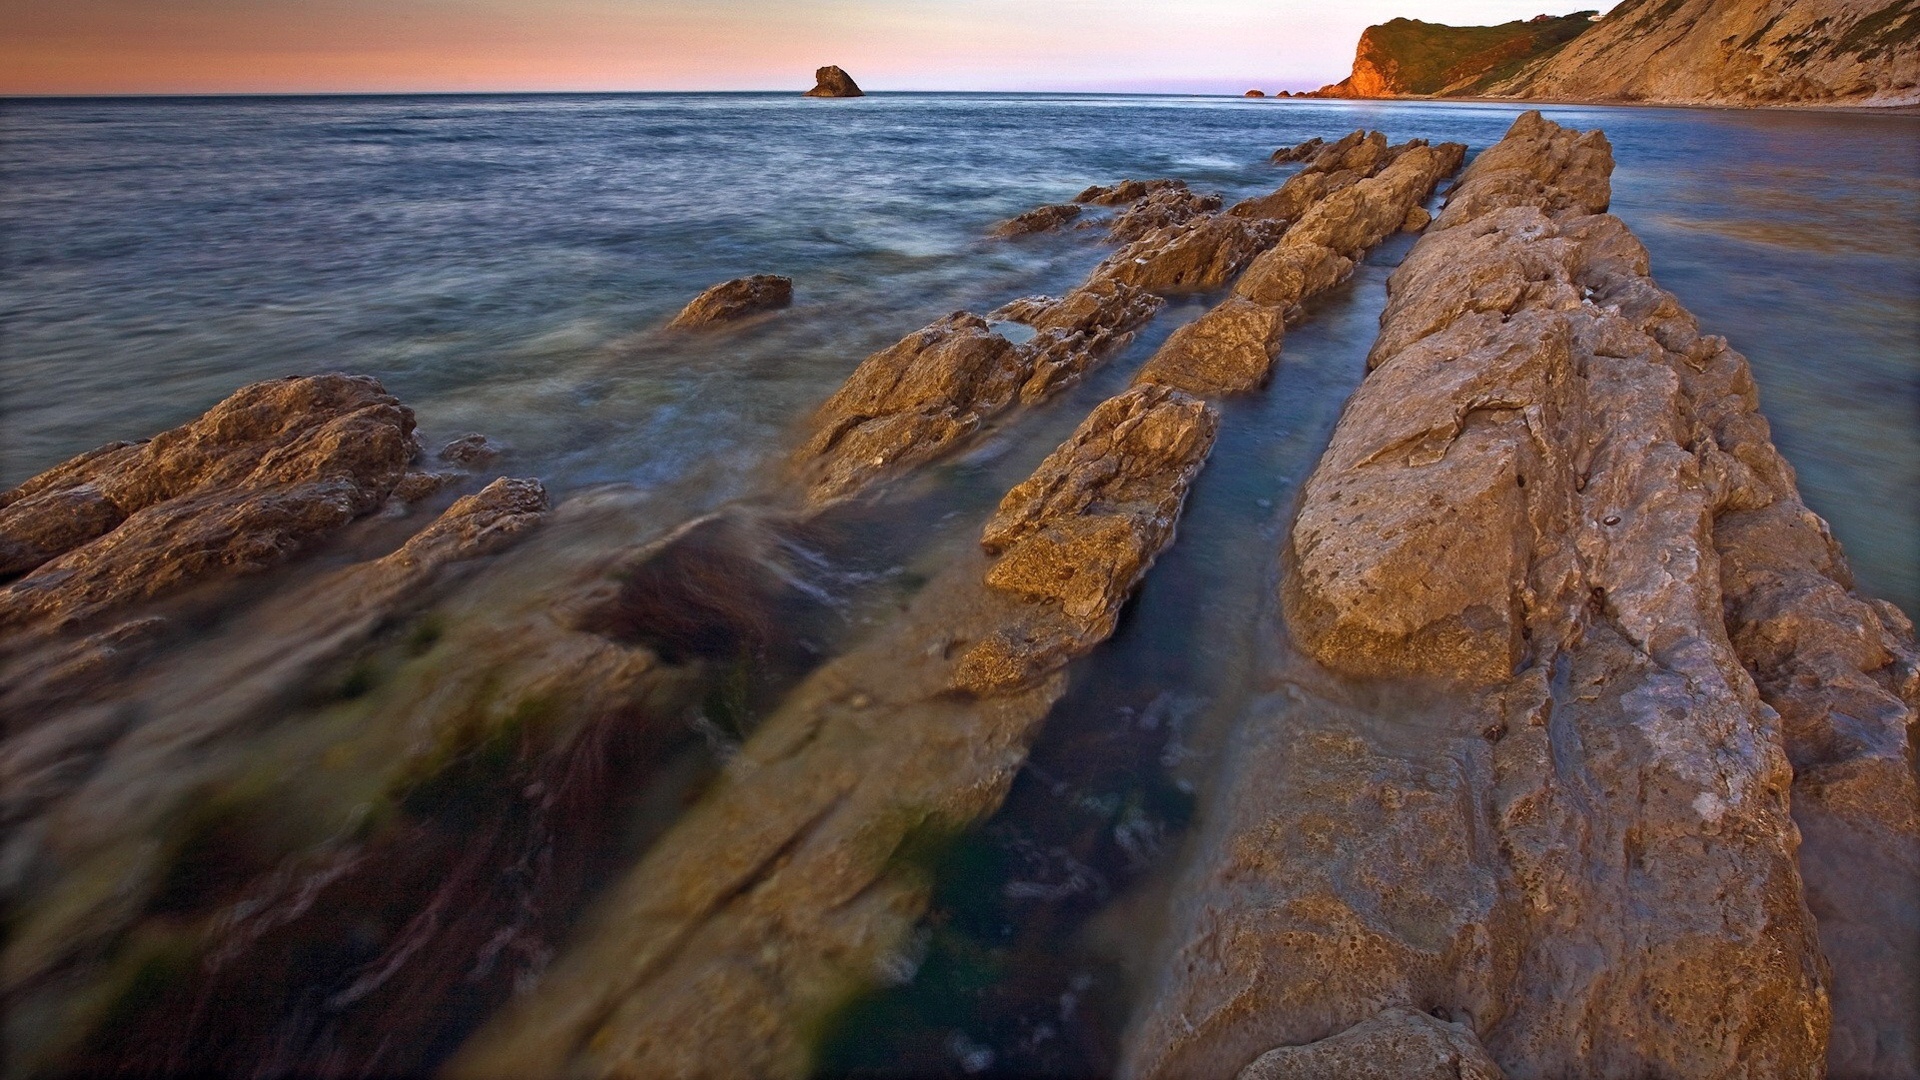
(1126, 191)
(795, 882)
(832, 82)
(1157, 210)
(1535, 769)
(260, 477)
(733, 300)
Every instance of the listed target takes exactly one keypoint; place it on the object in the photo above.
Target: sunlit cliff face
(278, 46)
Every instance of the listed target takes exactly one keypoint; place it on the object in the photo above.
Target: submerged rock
(831, 82)
(1536, 766)
(736, 299)
(1039, 219)
(797, 880)
(260, 476)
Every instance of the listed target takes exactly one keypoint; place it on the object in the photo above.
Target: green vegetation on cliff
(1407, 56)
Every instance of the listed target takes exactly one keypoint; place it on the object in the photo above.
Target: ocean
(504, 265)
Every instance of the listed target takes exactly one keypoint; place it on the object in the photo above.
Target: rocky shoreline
(1580, 755)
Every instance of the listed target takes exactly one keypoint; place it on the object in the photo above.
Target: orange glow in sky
(319, 46)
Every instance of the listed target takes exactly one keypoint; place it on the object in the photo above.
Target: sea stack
(830, 81)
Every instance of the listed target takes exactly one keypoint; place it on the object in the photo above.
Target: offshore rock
(1039, 219)
(1157, 210)
(260, 476)
(1229, 350)
(910, 402)
(1398, 1044)
(1574, 652)
(733, 300)
(1076, 536)
(831, 82)
(794, 883)
(1125, 191)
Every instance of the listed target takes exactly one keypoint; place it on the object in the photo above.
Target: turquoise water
(501, 262)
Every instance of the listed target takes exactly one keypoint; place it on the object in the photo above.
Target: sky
(330, 46)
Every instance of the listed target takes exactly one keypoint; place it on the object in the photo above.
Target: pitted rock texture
(1039, 219)
(1399, 1044)
(1229, 350)
(1077, 331)
(1076, 537)
(260, 476)
(1158, 210)
(910, 402)
(733, 300)
(1550, 783)
(1199, 254)
(831, 82)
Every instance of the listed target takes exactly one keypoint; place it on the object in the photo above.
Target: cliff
(1697, 52)
(1757, 52)
(1409, 57)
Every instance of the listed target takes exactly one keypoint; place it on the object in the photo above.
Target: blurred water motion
(503, 265)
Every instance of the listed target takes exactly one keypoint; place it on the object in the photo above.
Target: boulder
(831, 82)
(733, 300)
(1298, 151)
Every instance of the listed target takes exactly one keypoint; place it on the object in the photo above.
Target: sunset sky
(282, 46)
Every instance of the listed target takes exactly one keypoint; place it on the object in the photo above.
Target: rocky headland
(1691, 52)
(1573, 751)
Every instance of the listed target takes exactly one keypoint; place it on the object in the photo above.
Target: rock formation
(795, 882)
(1353, 194)
(1399, 1044)
(1576, 661)
(1757, 52)
(1255, 94)
(1159, 209)
(261, 476)
(831, 82)
(733, 300)
(1125, 191)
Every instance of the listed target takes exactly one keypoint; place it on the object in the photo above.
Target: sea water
(504, 265)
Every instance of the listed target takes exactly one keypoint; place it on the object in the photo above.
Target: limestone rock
(1157, 210)
(1204, 253)
(1398, 1044)
(1039, 219)
(910, 402)
(1125, 191)
(476, 524)
(1229, 350)
(1090, 324)
(733, 300)
(1573, 652)
(1255, 94)
(1409, 58)
(831, 82)
(1417, 219)
(1076, 536)
(260, 476)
